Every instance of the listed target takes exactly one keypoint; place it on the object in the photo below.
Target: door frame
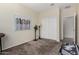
(75, 26)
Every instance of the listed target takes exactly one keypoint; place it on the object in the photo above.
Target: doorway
(69, 28)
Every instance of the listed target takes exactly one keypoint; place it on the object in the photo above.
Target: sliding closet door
(49, 28)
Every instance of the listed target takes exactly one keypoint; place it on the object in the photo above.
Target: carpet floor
(39, 47)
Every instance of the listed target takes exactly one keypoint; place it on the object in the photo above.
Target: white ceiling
(38, 7)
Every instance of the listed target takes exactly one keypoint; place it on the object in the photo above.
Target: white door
(69, 27)
(49, 28)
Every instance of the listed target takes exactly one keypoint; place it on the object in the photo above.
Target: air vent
(52, 4)
(67, 6)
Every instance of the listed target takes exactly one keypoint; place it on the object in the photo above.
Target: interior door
(69, 27)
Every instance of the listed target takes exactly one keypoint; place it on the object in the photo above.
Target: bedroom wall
(7, 24)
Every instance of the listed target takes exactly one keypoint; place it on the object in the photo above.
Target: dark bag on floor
(68, 49)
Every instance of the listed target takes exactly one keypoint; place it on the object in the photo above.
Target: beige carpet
(40, 47)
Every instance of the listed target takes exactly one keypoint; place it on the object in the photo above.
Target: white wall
(52, 12)
(7, 24)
